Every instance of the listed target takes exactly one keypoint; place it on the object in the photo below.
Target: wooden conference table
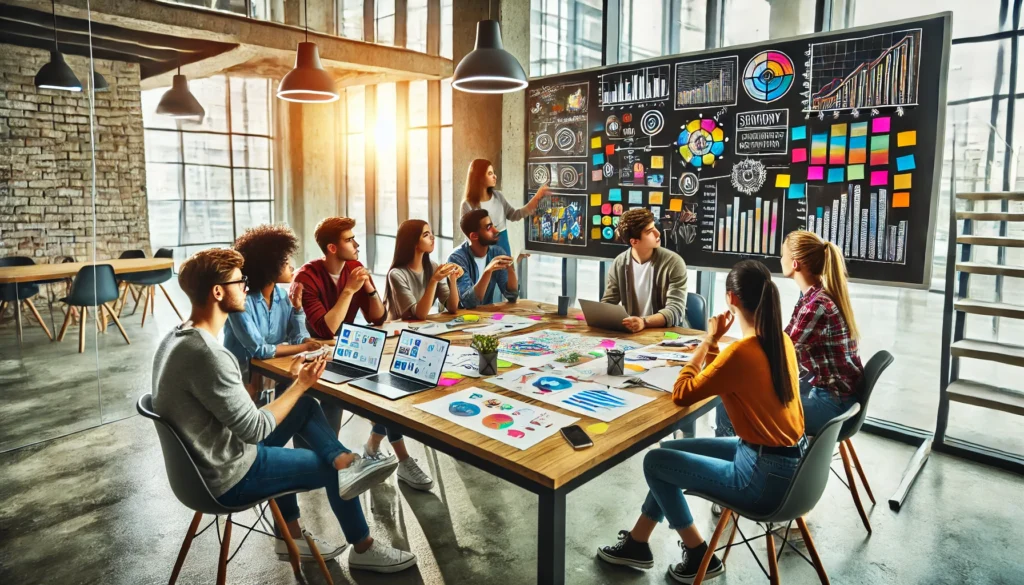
(550, 469)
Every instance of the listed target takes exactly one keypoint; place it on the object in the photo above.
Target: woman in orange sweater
(756, 378)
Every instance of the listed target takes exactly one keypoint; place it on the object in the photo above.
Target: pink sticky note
(498, 316)
(595, 175)
(580, 317)
(799, 155)
(534, 317)
(447, 382)
(879, 178)
(606, 208)
(880, 125)
(607, 343)
(815, 173)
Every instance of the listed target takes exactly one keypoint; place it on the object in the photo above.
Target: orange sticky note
(655, 197)
(595, 142)
(901, 199)
(609, 150)
(782, 181)
(595, 200)
(901, 181)
(908, 138)
(675, 205)
(595, 234)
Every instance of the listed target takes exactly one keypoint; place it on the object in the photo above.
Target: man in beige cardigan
(648, 280)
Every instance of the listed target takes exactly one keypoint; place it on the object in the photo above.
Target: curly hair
(633, 223)
(266, 250)
(203, 270)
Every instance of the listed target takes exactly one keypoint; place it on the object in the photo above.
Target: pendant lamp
(307, 82)
(56, 74)
(178, 102)
(99, 83)
(489, 68)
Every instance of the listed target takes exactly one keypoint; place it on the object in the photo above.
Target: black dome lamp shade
(307, 82)
(99, 83)
(178, 102)
(489, 68)
(56, 74)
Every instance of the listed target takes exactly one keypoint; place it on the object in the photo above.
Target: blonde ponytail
(825, 260)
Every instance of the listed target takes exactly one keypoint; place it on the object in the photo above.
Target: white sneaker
(327, 550)
(413, 475)
(716, 510)
(364, 473)
(381, 558)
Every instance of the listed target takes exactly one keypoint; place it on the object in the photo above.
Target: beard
(487, 241)
(233, 304)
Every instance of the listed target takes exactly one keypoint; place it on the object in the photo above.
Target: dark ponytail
(752, 284)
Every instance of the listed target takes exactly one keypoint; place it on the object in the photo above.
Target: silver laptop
(416, 367)
(357, 354)
(604, 315)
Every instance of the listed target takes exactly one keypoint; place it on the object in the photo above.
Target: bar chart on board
(649, 84)
(749, 225)
(860, 224)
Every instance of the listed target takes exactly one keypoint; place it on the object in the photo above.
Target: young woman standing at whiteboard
(481, 194)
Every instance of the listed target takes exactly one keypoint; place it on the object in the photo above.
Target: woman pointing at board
(481, 194)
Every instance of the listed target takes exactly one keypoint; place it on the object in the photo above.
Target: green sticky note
(504, 364)
(671, 335)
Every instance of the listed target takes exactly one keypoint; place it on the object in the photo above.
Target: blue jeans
(278, 469)
(721, 467)
(393, 436)
(334, 410)
(820, 406)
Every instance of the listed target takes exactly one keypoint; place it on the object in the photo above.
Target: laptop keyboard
(346, 370)
(401, 383)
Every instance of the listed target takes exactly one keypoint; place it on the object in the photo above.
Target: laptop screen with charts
(357, 353)
(416, 367)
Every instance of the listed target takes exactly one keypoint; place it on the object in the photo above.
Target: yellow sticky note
(782, 181)
(656, 197)
(675, 205)
(901, 181)
(598, 428)
(595, 234)
(595, 200)
(657, 162)
(595, 142)
(471, 318)
(908, 138)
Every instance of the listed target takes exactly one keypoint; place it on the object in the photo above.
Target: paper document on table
(565, 390)
(506, 324)
(462, 360)
(663, 378)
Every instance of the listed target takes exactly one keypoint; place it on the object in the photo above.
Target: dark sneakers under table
(686, 571)
(627, 552)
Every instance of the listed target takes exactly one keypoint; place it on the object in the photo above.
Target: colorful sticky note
(655, 198)
(595, 199)
(595, 234)
(819, 149)
(599, 159)
(609, 150)
(815, 173)
(597, 220)
(859, 129)
(798, 133)
(858, 150)
(782, 181)
(504, 364)
(671, 335)
(880, 125)
(617, 209)
(675, 205)
(534, 317)
(598, 428)
(471, 318)
(855, 172)
(446, 381)
(901, 181)
(796, 191)
(595, 175)
(498, 316)
(657, 162)
(838, 129)
(879, 178)
(614, 194)
(595, 142)
(901, 199)
(636, 197)
(580, 317)
(836, 174)
(905, 163)
(908, 138)
(607, 343)
(606, 208)
(799, 155)
(607, 220)
(837, 150)
(880, 150)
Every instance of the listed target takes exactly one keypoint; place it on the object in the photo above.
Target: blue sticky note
(836, 174)
(599, 158)
(799, 132)
(615, 195)
(636, 197)
(796, 191)
(905, 163)
(860, 142)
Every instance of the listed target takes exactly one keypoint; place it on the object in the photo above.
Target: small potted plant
(487, 347)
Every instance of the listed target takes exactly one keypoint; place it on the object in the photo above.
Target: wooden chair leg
(145, 305)
(137, 295)
(293, 550)
(81, 329)
(124, 298)
(853, 487)
(860, 470)
(319, 558)
(64, 327)
(152, 301)
(176, 311)
(185, 545)
(225, 548)
(773, 561)
(699, 578)
(118, 323)
(39, 319)
(812, 551)
(732, 535)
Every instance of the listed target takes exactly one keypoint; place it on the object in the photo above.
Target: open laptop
(604, 315)
(416, 367)
(357, 354)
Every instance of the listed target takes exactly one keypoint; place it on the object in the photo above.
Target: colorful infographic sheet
(541, 347)
(569, 392)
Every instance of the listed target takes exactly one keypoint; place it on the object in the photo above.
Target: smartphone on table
(576, 437)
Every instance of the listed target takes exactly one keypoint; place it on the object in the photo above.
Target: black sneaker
(627, 552)
(686, 571)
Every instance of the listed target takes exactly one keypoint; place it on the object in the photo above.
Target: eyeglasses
(244, 282)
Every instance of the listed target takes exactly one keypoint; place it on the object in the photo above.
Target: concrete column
(515, 34)
(321, 14)
(790, 18)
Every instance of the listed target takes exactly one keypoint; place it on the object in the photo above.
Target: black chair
(872, 371)
(696, 311)
(803, 494)
(191, 490)
(20, 294)
(93, 286)
(126, 280)
(148, 281)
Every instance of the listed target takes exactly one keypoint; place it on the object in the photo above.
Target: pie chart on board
(768, 76)
(497, 421)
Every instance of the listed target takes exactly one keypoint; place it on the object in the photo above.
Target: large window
(385, 134)
(350, 19)
(355, 156)
(210, 181)
(448, 226)
(652, 28)
(564, 35)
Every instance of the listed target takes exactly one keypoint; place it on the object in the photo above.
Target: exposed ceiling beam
(82, 40)
(97, 52)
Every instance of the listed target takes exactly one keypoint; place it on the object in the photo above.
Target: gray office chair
(191, 490)
(872, 371)
(803, 494)
(696, 311)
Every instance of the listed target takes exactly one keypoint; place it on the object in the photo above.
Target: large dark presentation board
(838, 133)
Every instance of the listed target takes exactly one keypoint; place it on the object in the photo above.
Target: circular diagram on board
(608, 169)
(748, 176)
(541, 175)
(568, 176)
(652, 122)
(544, 142)
(565, 138)
(768, 76)
(460, 408)
(608, 233)
(612, 126)
(552, 383)
(497, 421)
(701, 142)
(688, 184)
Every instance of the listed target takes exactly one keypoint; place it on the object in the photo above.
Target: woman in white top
(415, 281)
(481, 194)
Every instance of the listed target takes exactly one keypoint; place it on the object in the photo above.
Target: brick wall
(46, 206)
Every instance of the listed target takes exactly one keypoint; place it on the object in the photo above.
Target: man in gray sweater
(239, 449)
(647, 279)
